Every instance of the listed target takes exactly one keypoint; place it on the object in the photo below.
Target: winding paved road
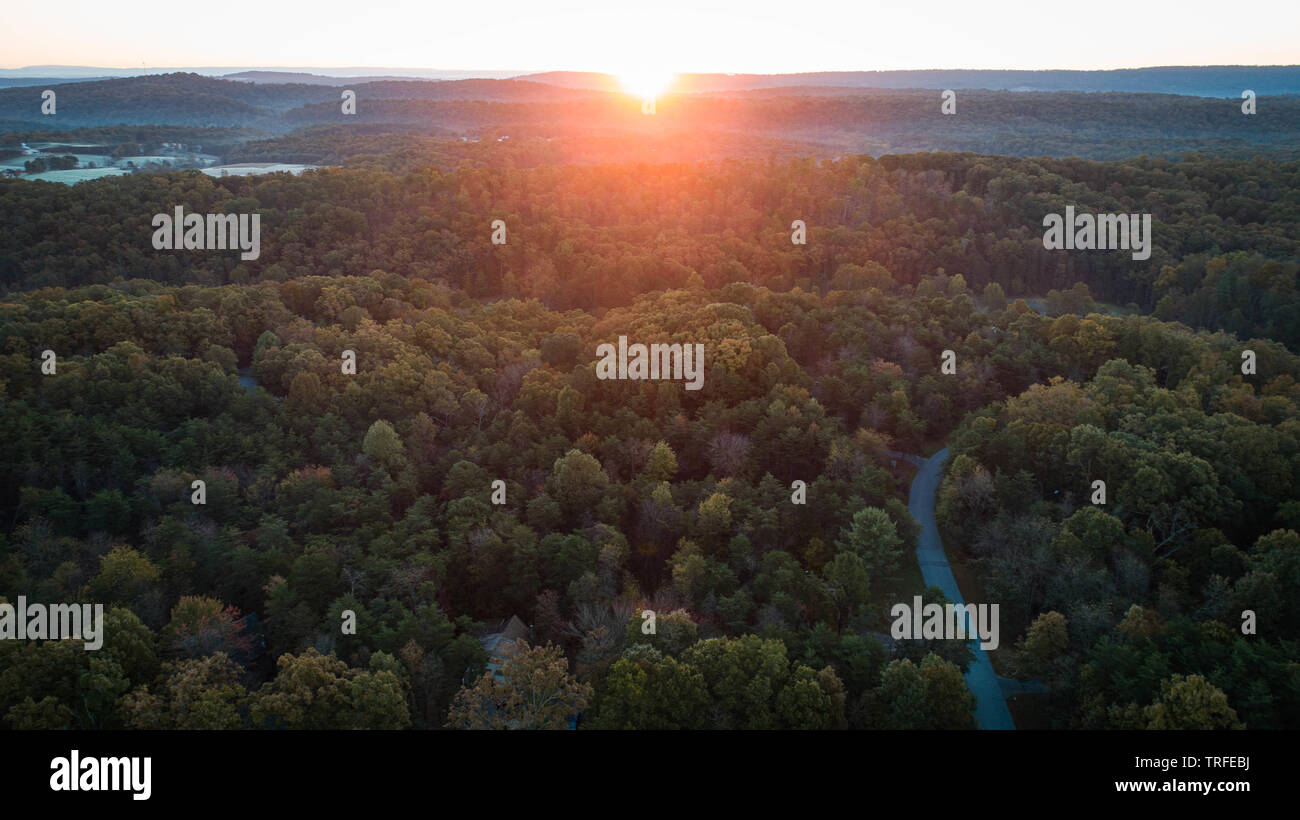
(990, 704)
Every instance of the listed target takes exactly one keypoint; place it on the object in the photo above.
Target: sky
(677, 36)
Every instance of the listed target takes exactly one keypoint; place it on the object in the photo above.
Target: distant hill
(499, 90)
(1196, 81)
(44, 82)
(66, 73)
(160, 99)
(258, 76)
(831, 117)
(304, 78)
(191, 99)
(873, 121)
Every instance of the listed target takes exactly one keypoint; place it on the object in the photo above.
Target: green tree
(316, 691)
(873, 537)
(662, 463)
(198, 693)
(949, 703)
(645, 690)
(108, 511)
(847, 583)
(903, 696)
(674, 632)
(577, 483)
(1191, 702)
(715, 516)
(124, 574)
(752, 684)
(1043, 647)
(384, 446)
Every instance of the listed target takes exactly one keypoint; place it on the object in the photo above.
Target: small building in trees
(498, 640)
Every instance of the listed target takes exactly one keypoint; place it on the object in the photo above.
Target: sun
(646, 83)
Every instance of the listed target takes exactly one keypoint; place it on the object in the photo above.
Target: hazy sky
(761, 36)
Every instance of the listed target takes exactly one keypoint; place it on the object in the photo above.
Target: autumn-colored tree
(535, 691)
(201, 626)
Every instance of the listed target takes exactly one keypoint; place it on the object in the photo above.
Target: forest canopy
(474, 466)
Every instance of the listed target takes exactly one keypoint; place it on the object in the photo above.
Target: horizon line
(297, 69)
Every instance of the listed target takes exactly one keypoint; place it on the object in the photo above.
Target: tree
(847, 583)
(1140, 624)
(577, 483)
(306, 392)
(662, 463)
(199, 693)
(316, 691)
(1191, 702)
(949, 703)
(201, 626)
(1098, 532)
(994, 297)
(715, 516)
(108, 511)
(645, 690)
(124, 574)
(1043, 647)
(47, 713)
(561, 349)
(535, 691)
(674, 632)
(752, 684)
(903, 696)
(90, 685)
(873, 537)
(1278, 555)
(727, 452)
(384, 446)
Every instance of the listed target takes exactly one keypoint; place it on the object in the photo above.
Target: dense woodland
(371, 492)
(1227, 233)
(1115, 600)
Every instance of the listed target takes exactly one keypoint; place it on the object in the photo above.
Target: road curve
(990, 705)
